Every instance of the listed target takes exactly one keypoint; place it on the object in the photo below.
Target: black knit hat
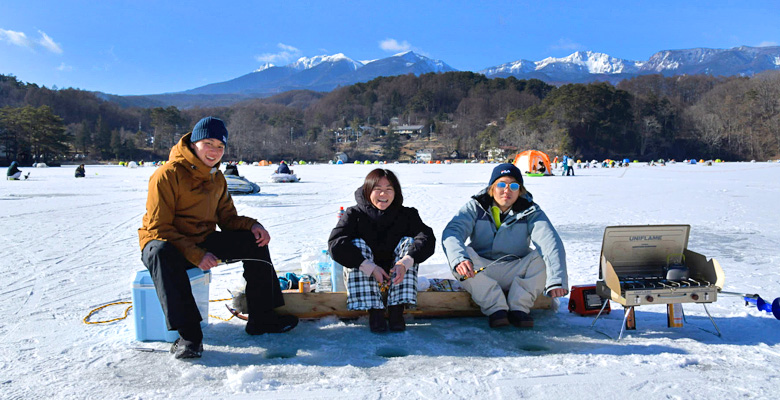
(209, 128)
(506, 169)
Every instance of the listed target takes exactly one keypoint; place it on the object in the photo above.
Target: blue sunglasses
(514, 186)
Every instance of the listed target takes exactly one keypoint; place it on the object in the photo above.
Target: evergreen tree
(391, 149)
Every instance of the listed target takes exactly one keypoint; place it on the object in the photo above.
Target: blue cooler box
(147, 311)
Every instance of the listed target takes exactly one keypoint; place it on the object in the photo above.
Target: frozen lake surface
(70, 245)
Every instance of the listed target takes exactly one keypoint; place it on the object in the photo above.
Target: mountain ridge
(327, 72)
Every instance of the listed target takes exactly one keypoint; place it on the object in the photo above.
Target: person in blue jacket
(488, 246)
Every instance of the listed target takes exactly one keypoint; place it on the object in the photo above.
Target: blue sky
(149, 47)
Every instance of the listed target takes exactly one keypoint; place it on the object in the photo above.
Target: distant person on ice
(188, 198)
(382, 242)
(500, 223)
(13, 172)
(231, 169)
(80, 171)
(542, 169)
(283, 168)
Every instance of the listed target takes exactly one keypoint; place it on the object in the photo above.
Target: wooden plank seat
(429, 304)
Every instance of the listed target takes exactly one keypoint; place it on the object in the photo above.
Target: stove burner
(657, 282)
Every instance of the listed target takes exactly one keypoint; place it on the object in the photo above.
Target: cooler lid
(143, 278)
(643, 245)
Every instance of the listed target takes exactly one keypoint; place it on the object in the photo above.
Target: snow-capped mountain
(311, 62)
(326, 72)
(576, 67)
(589, 62)
(323, 73)
(590, 66)
(511, 68)
(743, 61)
(400, 64)
(264, 67)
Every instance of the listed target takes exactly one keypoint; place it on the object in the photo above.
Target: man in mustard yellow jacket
(187, 199)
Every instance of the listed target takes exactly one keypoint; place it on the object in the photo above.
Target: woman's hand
(208, 262)
(370, 269)
(262, 237)
(558, 292)
(466, 269)
(400, 268)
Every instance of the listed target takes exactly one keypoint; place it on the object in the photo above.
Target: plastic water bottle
(324, 272)
(337, 270)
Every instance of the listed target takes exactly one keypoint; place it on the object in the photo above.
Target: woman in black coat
(381, 243)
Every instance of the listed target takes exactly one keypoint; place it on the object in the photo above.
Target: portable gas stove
(651, 264)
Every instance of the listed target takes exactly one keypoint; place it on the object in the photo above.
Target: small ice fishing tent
(528, 162)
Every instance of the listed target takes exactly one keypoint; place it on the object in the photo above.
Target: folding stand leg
(712, 320)
(623, 325)
(606, 301)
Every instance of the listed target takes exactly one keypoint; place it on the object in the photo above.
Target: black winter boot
(376, 320)
(498, 319)
(521, 319)
(190, 342)
(270, 322)
(395, 316)
(183, 349)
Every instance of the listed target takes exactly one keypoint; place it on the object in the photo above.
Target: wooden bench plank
(429, 304)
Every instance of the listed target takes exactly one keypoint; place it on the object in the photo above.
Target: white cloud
(567, 44)
(767, 44)
(393, 46)
(21, 39)
(49, 43)
(288, 53)
(17, 38)
(64, 67)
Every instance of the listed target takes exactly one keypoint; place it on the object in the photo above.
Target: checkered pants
(363, 292)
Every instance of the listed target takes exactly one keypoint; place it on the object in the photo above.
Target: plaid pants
(363, 292)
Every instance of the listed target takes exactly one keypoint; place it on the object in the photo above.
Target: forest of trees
(648, 117)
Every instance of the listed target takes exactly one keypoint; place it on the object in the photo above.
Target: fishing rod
(515, 257)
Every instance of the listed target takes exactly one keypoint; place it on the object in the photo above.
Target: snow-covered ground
(70, 245)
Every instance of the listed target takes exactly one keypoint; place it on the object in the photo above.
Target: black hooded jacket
(381, 230)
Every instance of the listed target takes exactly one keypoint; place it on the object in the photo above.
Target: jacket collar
(182, 153)
(522, 207)
(380, 216)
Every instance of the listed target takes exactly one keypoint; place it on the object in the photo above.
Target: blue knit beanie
(506, 169)
(209, 128)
